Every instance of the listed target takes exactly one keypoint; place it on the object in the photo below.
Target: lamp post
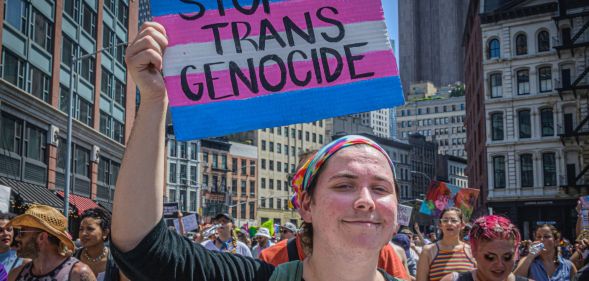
(68, 165)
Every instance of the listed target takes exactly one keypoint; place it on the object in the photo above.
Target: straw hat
(47, 219)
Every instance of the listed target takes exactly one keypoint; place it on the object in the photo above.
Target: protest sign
(4, 198)
(239, 65)
(404, 215)
(190, 223)
(442, 195)
(171, 210)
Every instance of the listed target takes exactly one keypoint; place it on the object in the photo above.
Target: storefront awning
(81, 203)
(32, 194)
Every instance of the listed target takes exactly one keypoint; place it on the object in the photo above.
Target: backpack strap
(291, 247)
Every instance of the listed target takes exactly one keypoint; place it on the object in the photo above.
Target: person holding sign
(346, 197)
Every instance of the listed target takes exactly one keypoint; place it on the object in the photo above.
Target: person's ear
(305, 207)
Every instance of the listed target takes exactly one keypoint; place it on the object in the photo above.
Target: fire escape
(572, 24)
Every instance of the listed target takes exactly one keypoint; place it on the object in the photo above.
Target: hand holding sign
(144, 59)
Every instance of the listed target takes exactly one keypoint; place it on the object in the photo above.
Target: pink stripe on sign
(351, 11)
(372, 62)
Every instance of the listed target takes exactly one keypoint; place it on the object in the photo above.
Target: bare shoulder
(17, 270)
(81, 272)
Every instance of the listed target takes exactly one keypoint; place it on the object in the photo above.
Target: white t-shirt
(242, 248)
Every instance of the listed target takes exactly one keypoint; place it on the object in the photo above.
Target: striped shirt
(447, 262)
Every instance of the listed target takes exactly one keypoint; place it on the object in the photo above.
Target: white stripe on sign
(178, 56)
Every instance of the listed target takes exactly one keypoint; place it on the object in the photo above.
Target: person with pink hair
(494, 241)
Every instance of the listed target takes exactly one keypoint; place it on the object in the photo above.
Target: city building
(378, 120)
(536, 110)
(430, 33)
(475, 122)
(183, 174)
(244, 166)
(440, 118)
(216, 177)
(280, 150)
(451, 169)
(345, 125)
(144, 12)
(38, 42)
(423, 164)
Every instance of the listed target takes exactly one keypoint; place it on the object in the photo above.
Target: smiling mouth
(368, 223)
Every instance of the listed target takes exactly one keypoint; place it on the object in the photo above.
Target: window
(183, 174)
(224, 161)
(279, 204)
(307, 136)
(42, 31)
(119, 94)
(120, 50)
(172, 172)
(172, 146)
(68, 51)
(497, 126)
(40, 85)
(527, 170)
(118, 131)
(525, 128)
(545, 78)
(234, 166)
(263, 183)
(108, 39)
(193, 174)
(82, 161)
(252, 188)
(106, 82)
(123, 13)
(89, 21)
(271, 204)
(549, 169)
(83, 110)
(271, 165)
(263, 145)
(215, 163)
(243, 188)
(494, 50)
(205, 157)
(521, 45)
(71, 8)
(35, 146)
(263, 203)
(15, 14)
(279, 185)
(252, 210)
(110, 4)
(264, 164)
(523, 82)
(271, 146)
(278, 148)
(244, 167)
(547, 122)
(87, 71)
(496, 85)
(320, 139)
(271, 183)
(193, 151)
(543, 41)
(14, 69)
(252, 168)
(183, 150)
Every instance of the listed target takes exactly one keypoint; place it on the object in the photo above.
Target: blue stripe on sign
(222, 118)
(165, 7)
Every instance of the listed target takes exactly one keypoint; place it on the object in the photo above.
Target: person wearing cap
(403, 241)
(346, 196)
(8, 257)
(43, 237)
(288, 231)
(226, 240)
(263, 237)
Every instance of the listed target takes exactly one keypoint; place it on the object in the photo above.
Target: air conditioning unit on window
(95, 154)
(53, 136)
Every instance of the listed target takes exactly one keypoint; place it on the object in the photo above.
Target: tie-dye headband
(302, 180)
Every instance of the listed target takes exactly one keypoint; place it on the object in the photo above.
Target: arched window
(493, 49)
(543, 41)
(521, 45)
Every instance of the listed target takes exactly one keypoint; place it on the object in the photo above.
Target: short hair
(98, 214)
(489, 228)
(7, 216)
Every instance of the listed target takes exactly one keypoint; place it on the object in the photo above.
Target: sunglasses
(20, 232)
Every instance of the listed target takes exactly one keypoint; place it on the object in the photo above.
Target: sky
(391, 16)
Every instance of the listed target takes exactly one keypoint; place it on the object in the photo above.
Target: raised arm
(138, 196)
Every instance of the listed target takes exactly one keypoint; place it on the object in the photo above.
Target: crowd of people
(345, 194)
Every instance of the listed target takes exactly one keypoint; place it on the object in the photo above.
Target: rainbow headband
(302, 180)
